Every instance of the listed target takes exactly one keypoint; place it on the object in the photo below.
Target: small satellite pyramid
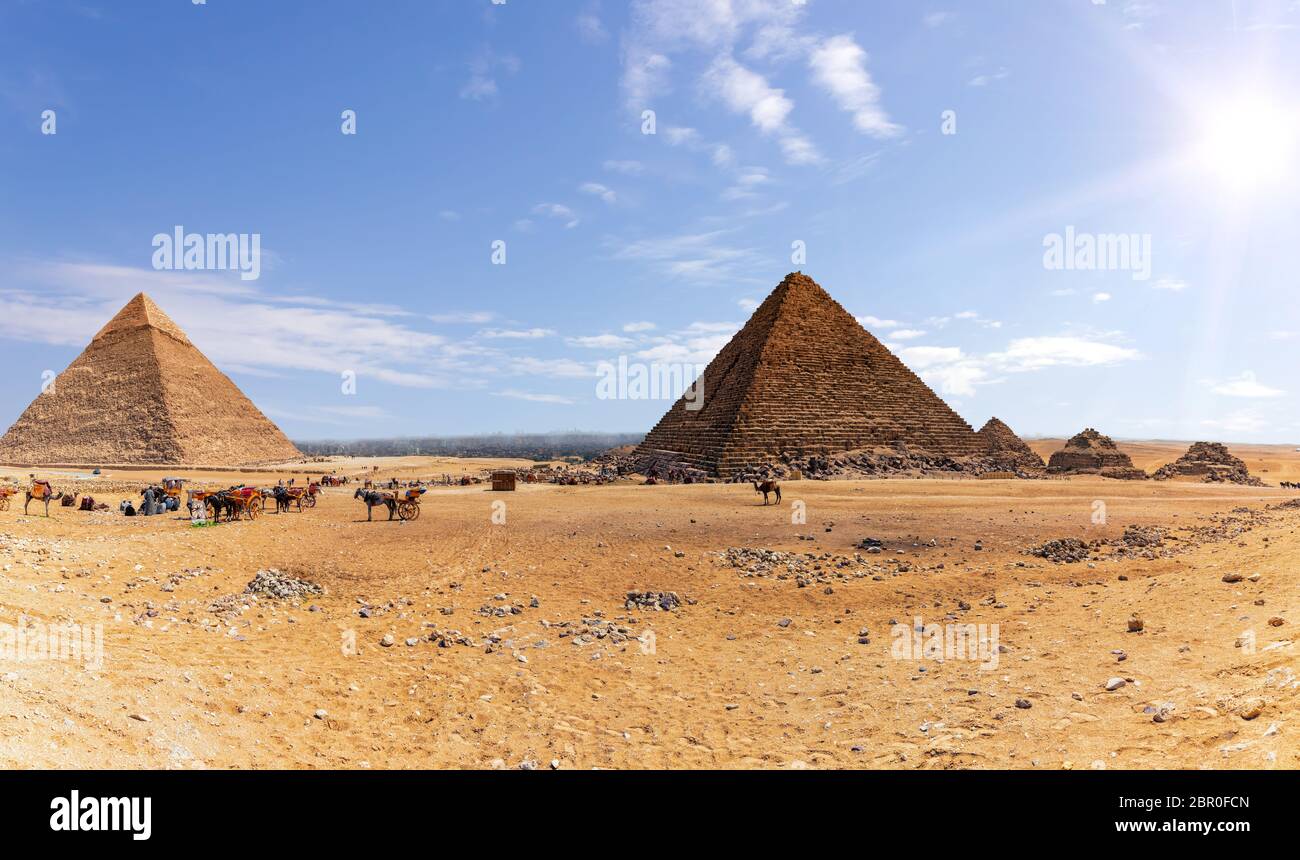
(141, 393)
(1001, 440)
(803, 377)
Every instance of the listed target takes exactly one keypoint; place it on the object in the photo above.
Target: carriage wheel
(309, 501)
(408, 510)
(254, 508)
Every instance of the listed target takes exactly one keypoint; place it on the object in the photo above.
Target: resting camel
(766, 487)
(41, 491)
(374, 499)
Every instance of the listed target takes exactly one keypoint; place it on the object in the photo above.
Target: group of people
(153, 501)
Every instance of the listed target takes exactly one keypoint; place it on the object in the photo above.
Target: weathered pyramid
(1000, 440)
(1211, 463)
(142, 393)
(803, 378)
(1091, 453)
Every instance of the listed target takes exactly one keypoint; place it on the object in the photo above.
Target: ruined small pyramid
(1001, 440)
(141, 393)
(1092, 453)
(1209, 462)
(802, 377)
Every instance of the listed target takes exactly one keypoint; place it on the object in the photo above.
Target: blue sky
(775, 122)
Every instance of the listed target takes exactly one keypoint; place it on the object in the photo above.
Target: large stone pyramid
(142, 393)
(803, 378)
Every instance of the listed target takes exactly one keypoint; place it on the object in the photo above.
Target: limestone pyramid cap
(142, 312)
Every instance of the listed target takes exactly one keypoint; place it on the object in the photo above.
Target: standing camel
(41, 491)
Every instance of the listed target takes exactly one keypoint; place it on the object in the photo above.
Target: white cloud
(907, 334)
(985, 79)
(628, 168)
(516, 334)
(601, 341)
(1097, 298)
(870, 322)
(590, 27)
(1245, 385)
(535, 397)
(475, 317)
(1035, 353)
(558, 211)
(645, 75)
(701, 257)
(634, 327)
(482, 83)
(747, 304)
(938, 19)
(1172, 284)
(840, 66)
(746, 92)
(595, 189)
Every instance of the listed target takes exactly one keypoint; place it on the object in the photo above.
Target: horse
(41, 491)
(373, 499)
(766, 487)
(282, 499)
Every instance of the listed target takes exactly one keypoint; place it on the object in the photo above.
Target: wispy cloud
(1244, 385)
(840, 66)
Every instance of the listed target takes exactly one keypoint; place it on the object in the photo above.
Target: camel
(766, 487)
(373, 499)
(41, 491)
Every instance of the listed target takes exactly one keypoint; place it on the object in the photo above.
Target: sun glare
(1249, 144)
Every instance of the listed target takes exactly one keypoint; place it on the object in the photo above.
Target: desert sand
(751, 671)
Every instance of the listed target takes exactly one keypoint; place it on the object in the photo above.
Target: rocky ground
(671, 626)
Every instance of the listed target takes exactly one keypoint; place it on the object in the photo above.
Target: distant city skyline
(451, 219)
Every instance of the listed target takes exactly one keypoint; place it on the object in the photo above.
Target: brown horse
(41, 491)
(766, 487)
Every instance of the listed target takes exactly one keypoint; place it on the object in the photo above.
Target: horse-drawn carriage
(303, 497)
(237, 502)
(408, 504)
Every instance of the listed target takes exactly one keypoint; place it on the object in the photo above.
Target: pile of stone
(592, 630)
(448, 638)
(1211, 463)
(1143, 536)
(1091, 453)
(1063, 550)
(273, 583)
(657, 601)
(807, 568)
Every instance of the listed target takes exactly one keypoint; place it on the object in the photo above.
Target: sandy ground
(752, 671)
